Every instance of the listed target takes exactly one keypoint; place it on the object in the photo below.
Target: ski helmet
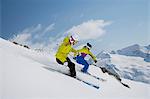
(74, 38)
(89, 46)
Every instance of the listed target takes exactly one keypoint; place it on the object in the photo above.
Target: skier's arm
(77, 53)
(74, 51)
(93, 57)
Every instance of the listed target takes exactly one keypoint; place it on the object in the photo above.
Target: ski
(98, 78)
(77, 78)
(125, 85)
(95, 77)
(90, 84)
(118, 78)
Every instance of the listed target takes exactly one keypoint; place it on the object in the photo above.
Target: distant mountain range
(132, 62)
(136, 50)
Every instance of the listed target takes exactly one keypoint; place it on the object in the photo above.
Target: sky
(106, 24)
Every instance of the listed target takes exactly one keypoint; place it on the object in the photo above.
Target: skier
(82, 54)
(64, 49)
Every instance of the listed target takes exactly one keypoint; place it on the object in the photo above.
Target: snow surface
(128, 67)
(23, 77)
(133, 68)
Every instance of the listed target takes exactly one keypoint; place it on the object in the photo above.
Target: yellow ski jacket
(64, 49)
(86, 51)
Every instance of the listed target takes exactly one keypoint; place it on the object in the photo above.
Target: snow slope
(23, 77)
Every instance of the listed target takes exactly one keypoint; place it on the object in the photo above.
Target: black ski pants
(71, 66)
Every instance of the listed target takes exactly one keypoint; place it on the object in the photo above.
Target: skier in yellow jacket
(64, 49)
(82, 54)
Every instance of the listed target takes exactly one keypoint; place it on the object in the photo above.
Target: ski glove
(74, 58)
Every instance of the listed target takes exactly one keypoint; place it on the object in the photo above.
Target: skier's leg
(86, 66)
(82, 61)
(58, 61)
(71, 66)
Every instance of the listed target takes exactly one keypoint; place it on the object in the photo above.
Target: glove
(95, 61)
(74, 58)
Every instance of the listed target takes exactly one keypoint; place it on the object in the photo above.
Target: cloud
(39, 36)
(91, 29)
(32, 30)
(34, 36)
(49, 28)
(22, 38)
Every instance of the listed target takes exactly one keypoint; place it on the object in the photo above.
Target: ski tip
(97, 87)
(125, 85)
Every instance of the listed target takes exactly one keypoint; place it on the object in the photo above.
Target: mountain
(103, 55)
(136, 50)
(134, 68)
(23, 76)
(128, 63)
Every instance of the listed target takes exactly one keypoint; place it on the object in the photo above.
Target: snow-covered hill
(136, 50)
(134, 68)
(129, 67)
(23, 77)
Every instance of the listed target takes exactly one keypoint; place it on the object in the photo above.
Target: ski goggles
(72, 41)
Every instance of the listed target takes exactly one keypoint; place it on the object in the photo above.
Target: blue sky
(129, 20)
